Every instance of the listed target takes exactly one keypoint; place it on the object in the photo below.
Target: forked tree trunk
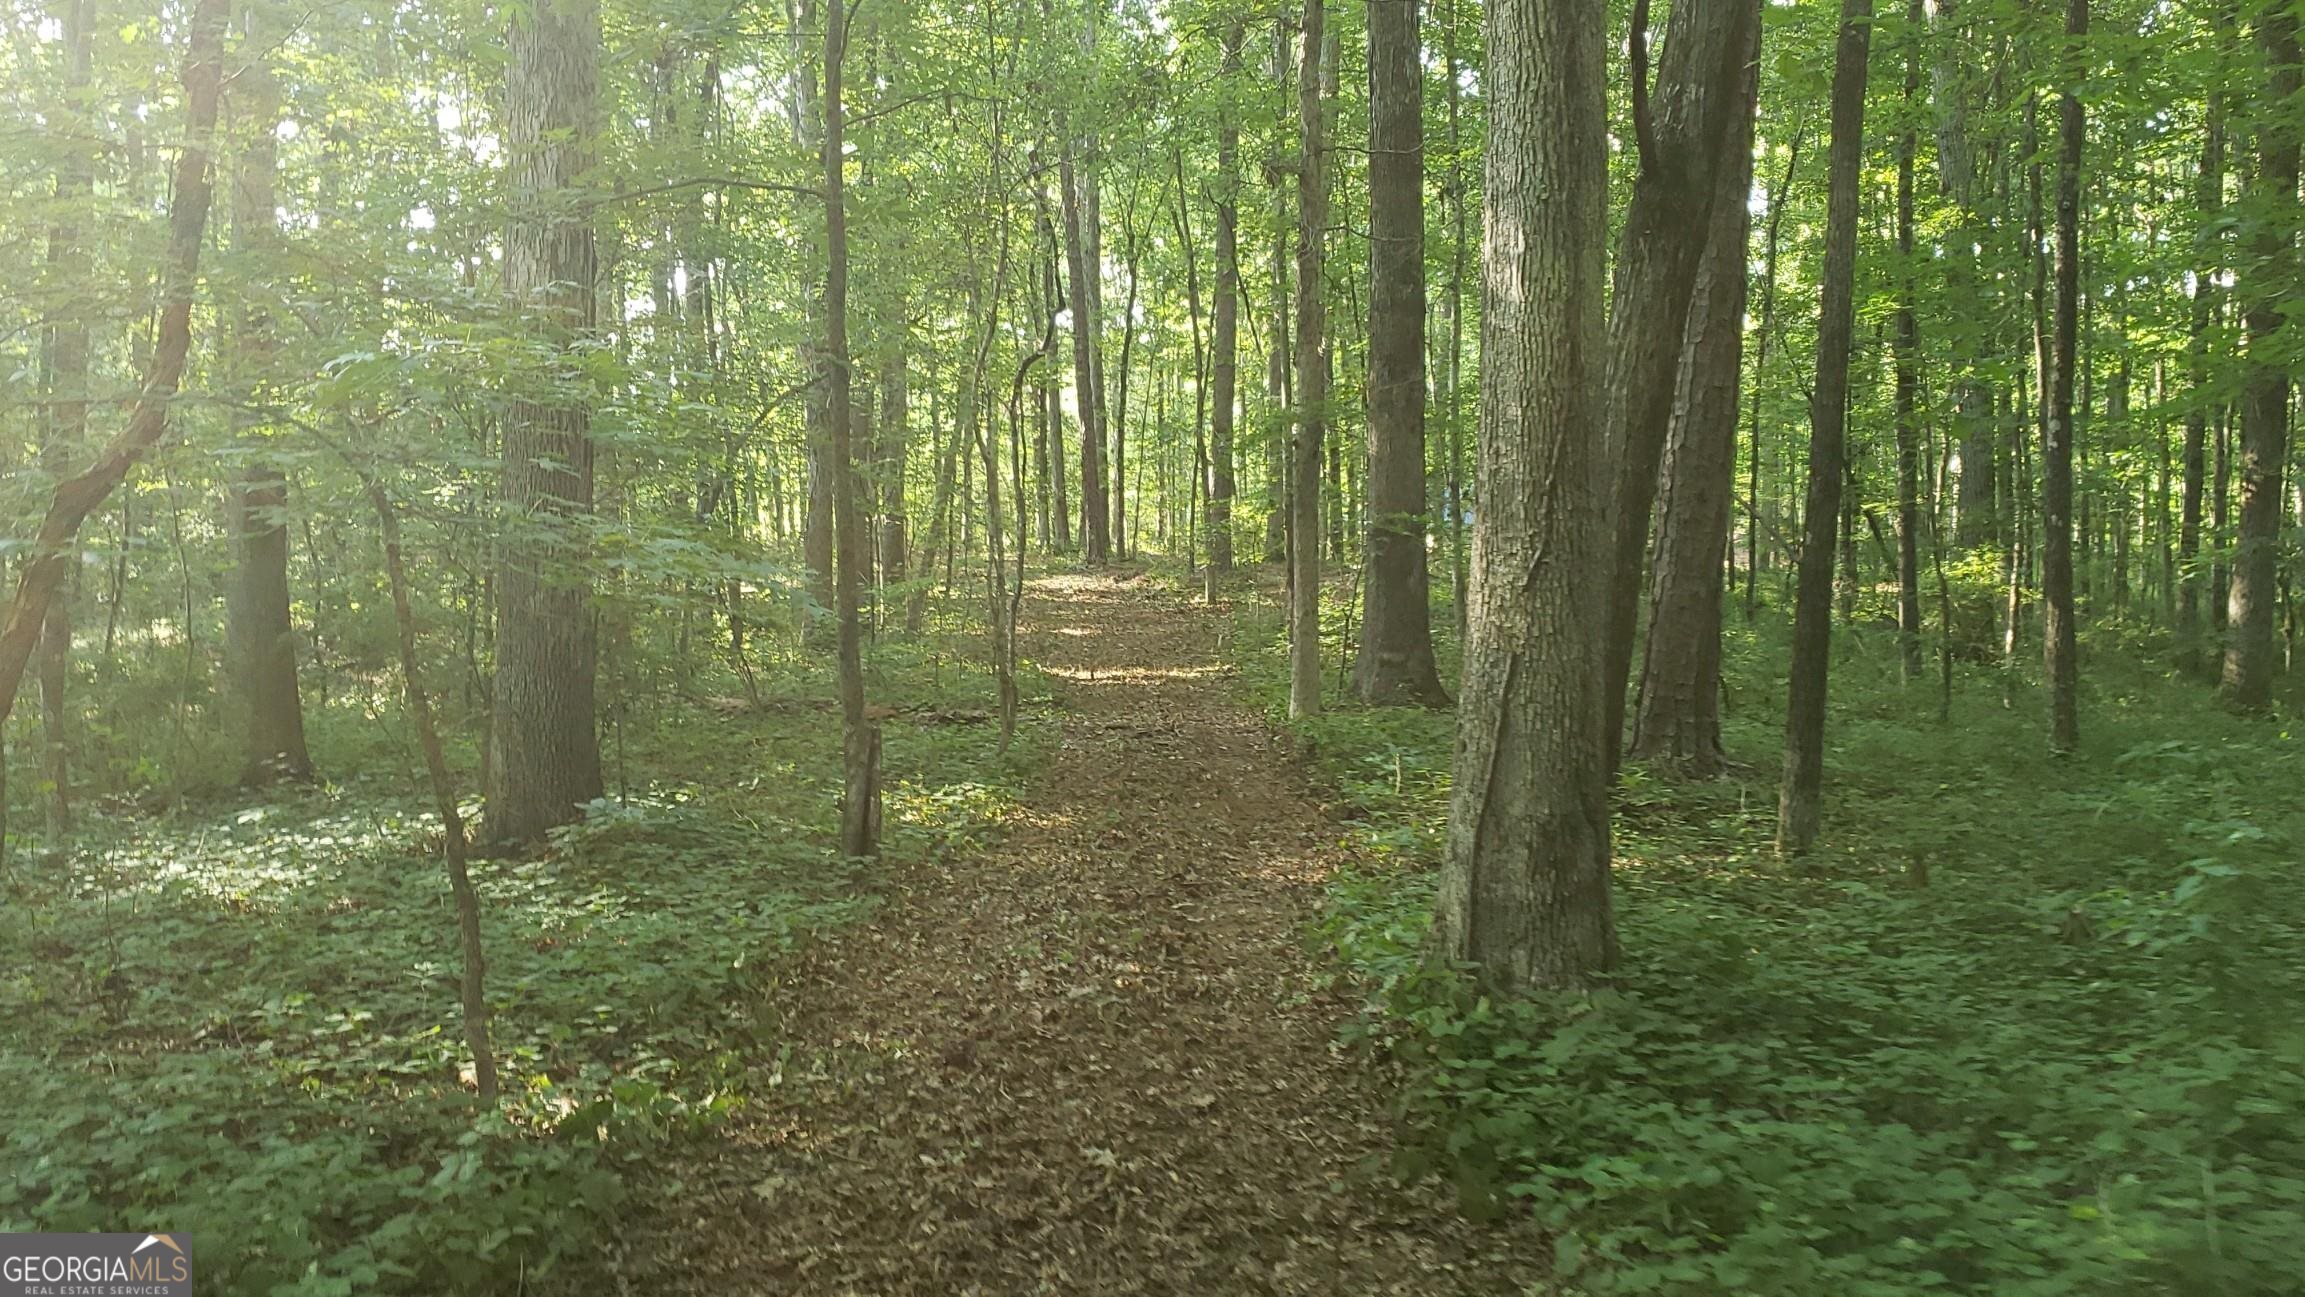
(1698, 86)
(1798, 800)
(1524, 893)
(1677, 720)
(544, 762)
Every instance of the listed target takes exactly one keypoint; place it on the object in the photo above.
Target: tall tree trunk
(1908, 363)
(1458, 239)
(65, 429)
(1095, 533)
(544, 748)
(1278, 383)
(1677, 720)
(1756, 544)
(1312, 376)
(1119, 498)
(1680, 146)
(1396, 649)
(860, 738)
(816, 508)
(1524, 892)
(1798, 809)
(2057, 630)
(260, 640)
(894, 452)
(50, 555)
(1051, 403)
(2250, 650)
(1224, 366)
(2209, 202)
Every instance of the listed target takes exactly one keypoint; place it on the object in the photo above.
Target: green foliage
(2017, 1027)
(243, 1022)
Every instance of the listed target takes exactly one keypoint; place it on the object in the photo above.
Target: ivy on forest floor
(2017, 1028)
(241, 1021)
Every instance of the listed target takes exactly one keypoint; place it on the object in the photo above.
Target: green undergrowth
(2018, 1027)
(240, 1020)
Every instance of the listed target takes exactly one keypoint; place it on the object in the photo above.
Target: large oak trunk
(1524, 893)
(544, 748)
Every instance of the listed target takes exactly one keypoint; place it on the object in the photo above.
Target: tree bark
(1680, 148)
(893, 453)
(1396, 649)
(544, 760)
(2209, 201)
(1224, 366)
(2058, 645)
(860, 739)
(1312, 366)
(1524, 892)
(260, 639)
(1677, 721)
(2250, 648)
(1278, 384)
(1908, 370)
(1095, 535)
(1798, 809)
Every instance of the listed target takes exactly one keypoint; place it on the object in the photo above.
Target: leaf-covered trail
(1094, 1057)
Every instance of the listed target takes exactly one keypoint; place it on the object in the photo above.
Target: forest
(1154, 646)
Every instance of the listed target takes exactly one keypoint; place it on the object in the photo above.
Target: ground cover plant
(2016, 1026)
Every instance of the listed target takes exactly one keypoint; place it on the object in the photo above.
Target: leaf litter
(1095, 1057)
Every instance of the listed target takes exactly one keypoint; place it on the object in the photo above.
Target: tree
(2057, 631)
(1088, 396)
(1524, 892)
(2209, 201)
(50, 558)
(1396, 649)
(860, 738)
(1224, 366)
(1908, 363)
(1679, 147)
(2250, 650)
(544, 751)
(1312, 377)
(259, 635)
(1677, 718)
(1798, 801)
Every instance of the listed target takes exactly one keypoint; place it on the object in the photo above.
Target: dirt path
(1092, 1059)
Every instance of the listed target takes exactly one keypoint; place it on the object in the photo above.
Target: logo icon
(95, 1265)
